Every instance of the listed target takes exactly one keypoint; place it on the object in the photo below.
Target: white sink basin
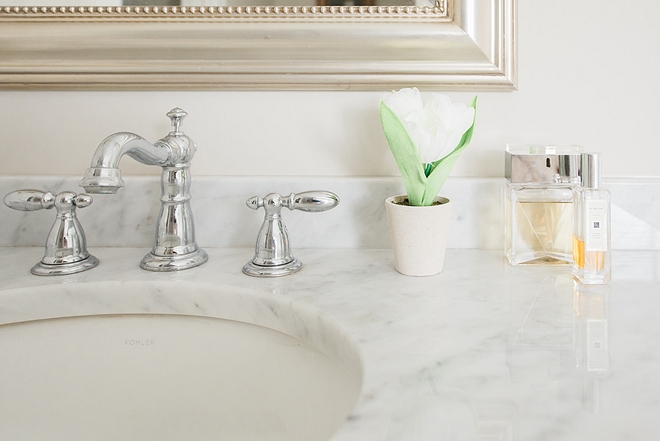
(144, 362)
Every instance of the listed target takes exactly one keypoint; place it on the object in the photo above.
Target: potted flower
(426, 139)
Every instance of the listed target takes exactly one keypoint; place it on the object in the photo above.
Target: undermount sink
(143, 361)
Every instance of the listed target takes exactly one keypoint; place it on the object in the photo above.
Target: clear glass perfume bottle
(538, 203)
(592, 219)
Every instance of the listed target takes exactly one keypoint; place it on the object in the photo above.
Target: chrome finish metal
(272, 255)
(66, 248)
(175, 247)
(591, 170)
(529, 164)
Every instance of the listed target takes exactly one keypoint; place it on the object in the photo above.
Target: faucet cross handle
(66, 247)
(176, 115)
(272, 256)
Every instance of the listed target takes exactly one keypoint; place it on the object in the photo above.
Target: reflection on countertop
(481, 351)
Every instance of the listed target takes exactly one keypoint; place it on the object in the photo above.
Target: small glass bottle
(538, 203)
(591, 224)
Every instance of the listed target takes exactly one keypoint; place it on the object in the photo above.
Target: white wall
(589, 74)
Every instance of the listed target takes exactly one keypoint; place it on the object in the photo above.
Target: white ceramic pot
(419, 235)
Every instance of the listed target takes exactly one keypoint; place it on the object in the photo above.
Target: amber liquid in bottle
(587, 260)
(591, 239)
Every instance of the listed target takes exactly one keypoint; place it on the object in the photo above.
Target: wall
(588, 75)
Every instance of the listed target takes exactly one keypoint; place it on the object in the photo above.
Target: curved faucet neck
(114, 147)
(174, 149)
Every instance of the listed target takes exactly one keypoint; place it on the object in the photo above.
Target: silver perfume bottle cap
(529, 164)
(590, 170)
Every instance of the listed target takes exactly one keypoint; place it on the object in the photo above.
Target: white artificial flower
(436, 127)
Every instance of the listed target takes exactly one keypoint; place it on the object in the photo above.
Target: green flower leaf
(441, 168)
(406, 155)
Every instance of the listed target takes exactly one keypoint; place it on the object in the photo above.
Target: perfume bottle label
(595, 237)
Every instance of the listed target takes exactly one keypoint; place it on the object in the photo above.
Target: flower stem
(427, 169)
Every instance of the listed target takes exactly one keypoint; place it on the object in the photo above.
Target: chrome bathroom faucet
(66, 246)
(272, 253)
(175, 247)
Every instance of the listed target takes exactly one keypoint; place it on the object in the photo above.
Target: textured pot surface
(419, 235)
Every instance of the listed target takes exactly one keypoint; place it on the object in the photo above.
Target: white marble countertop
(481, 351)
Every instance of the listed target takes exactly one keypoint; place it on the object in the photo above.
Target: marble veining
(222, 220)
(481, 351)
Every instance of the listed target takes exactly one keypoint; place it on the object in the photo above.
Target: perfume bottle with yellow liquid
(538, 203)
(592, 219)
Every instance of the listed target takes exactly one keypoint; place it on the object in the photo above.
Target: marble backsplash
(127, 219)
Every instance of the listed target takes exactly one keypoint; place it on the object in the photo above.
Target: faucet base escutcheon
(151, 262)
(63, 269)
(254, 270)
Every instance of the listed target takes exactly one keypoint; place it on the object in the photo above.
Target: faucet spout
(175, 247)
(104, 176)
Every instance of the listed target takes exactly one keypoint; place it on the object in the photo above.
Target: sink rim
(107, 298)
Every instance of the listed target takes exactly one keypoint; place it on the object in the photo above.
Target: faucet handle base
(63, 269)
(152, 262)
(254, 270)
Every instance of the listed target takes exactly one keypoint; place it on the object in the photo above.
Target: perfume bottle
(591, 235)
(538, 203)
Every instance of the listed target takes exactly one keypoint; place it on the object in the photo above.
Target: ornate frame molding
(458, 44)
(67, 12)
